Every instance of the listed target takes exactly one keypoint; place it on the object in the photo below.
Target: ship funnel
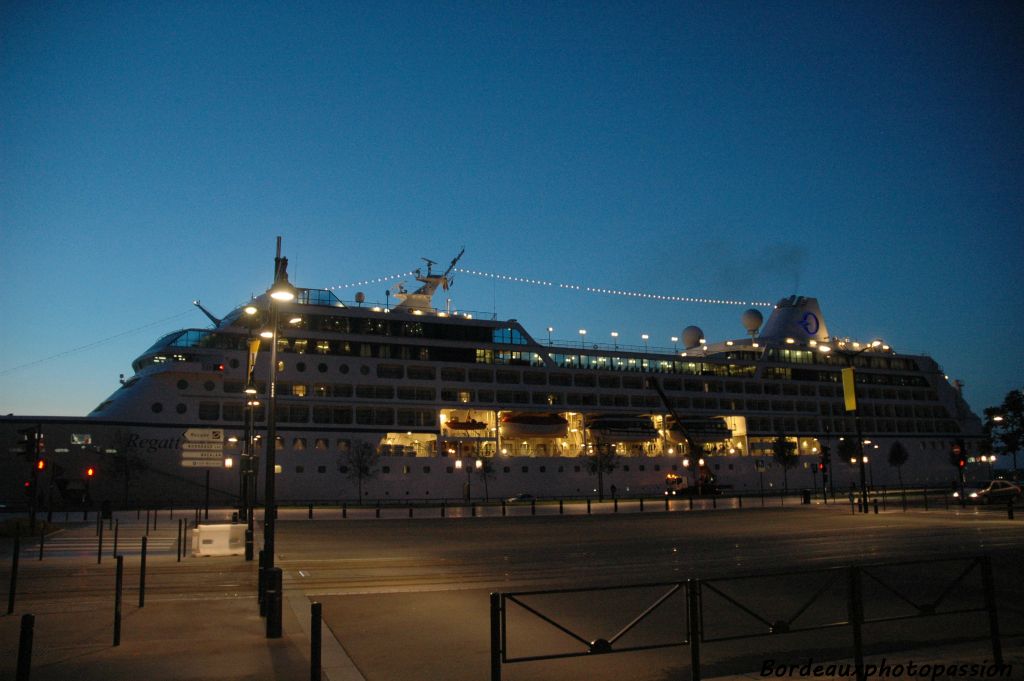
(798, 318)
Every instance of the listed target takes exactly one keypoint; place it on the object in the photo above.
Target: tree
(784, 453)
(1004, 425)
(898, 456)
(603, 460)
(361, 462)
(485, 472)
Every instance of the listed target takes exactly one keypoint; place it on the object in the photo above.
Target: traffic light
(27, 488)
(41, 465)
(90, 472)
(958, 455)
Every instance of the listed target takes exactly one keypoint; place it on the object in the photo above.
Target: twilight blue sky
(869, 154)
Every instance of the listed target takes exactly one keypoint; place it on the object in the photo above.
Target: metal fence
(710, 611)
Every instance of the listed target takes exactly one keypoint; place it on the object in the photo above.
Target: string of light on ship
(570, 287)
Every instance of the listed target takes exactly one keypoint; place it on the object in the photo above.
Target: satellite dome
(752, 321)
(692, 337)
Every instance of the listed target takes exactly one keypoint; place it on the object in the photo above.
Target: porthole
(181, 408)
(300, 366)
(183, 384)
(157, 407)
(364, 370)
(208, 385)
(343, 368)
(322, 368)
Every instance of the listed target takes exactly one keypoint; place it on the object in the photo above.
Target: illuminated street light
(615, 339)
(583, 335)
(644, 338)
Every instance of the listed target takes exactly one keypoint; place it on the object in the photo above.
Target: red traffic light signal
(821, 466)
(90, 471)
(41, 464)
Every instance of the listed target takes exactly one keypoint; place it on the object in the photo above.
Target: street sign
(202, 446)
(202, 463)
(204, 435)
(202, 455)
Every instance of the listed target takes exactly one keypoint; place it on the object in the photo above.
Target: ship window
(343, 368)
(341, 415)
(300, 366)
(321, 443)
(452, 374)
(526, 469)
(344, 446)
(481, 375)
(209, 386)
(421, 373)
(560, 379)
(299, 444)
(157, 407)
(322, 368)
(299, 390)
(608, 381)
(321, 389)
(485, 395)
(299, 469)
(389, 371)
(576, 469)
(321, 469)
(233, 412)
(543, 469)
(506, 469)
(385, 469)
(183, 384)
(181, 408)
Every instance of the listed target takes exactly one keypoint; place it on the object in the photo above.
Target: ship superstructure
(419, 390)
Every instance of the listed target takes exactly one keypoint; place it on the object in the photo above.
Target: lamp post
(644, 337)
(675, 343)
(550, 329)
(477, 465)
(615, 339)
(583, 337)
(280, 292)
(850, 397)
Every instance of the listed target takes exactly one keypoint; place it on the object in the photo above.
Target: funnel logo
(810, 323)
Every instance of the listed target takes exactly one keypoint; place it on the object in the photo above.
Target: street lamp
(550, 329)
(675, 343)
(644, 337)
(281, 292)
(478, 466)
(615, 339)
(583, 335)
(850, 397)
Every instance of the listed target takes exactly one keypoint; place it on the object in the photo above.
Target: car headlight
(956, 494)
(974, 495)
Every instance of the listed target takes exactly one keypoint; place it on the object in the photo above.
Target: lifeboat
(464, 424)
(620, 428)
(702, 429)
(533, 425)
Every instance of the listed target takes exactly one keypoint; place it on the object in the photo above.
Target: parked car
(997, 491)
(519, 498)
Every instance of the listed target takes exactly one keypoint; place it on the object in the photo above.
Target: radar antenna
(215, 320)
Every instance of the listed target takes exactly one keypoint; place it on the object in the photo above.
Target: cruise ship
(406, 401)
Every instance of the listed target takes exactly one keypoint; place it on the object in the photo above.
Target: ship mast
(421, 297)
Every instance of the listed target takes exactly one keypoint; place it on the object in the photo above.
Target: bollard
(444, 507)
(472, 509)
(138, 513)
(42, 540)
(344, 510)
(28, 623)
(117, 528)
(410, 511)
(142, 573)
(666, 502)
(561, 507)
(99, 546)
(179, 540)
(714, 502)
(694, 629)
(154, 519)
(1009, 509)
(311, 511)
(315, 640)
(502, 508)
(248, 544)
(691, 503)
(533, 507)
(740, 500)
(495, 637)
(588, 506)
(147, 522)
(378, 509)
(925, 494)
(261, 582)
(14, 574)
(118, 584)
(876, 506)
(110, 522)
(641, 504)
(615, 504)
(99, 523)
(273, 599)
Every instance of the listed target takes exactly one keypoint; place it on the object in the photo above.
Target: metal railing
(838, 593)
